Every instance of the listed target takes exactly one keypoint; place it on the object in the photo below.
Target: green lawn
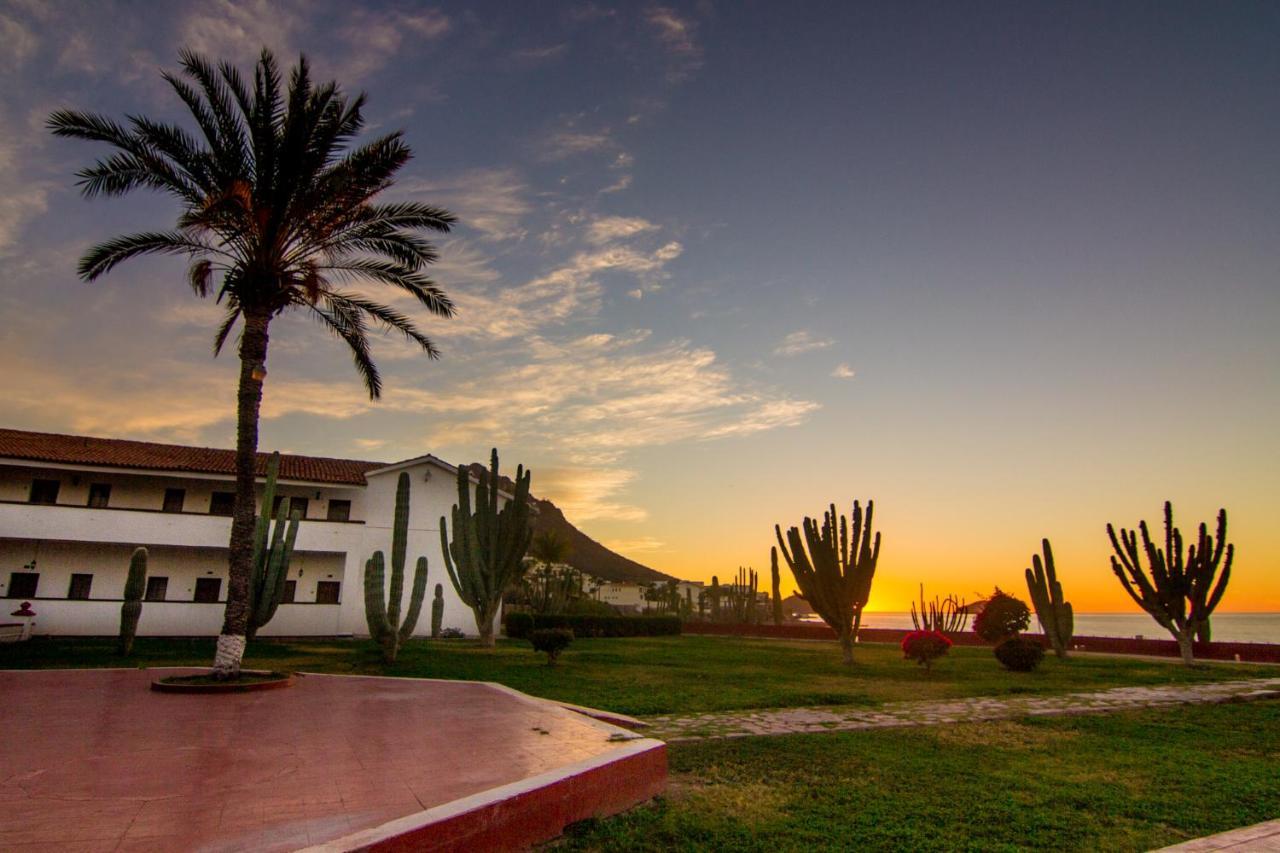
(1130, 781)
(662, 674)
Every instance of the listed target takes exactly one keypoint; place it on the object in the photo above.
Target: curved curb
(161, 686)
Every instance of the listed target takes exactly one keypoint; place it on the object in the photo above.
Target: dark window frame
(99, 496)
(169, 503)
(343, 510)
(214, 498)
(22, 578)
(77, 594)
(290, 593)
(207, 590)
(39, 487)
(157, 588)
(323, 593)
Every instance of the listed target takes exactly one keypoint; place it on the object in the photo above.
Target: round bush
(924, 647)
(552, 641)
(1020, 654)
(1002, 617)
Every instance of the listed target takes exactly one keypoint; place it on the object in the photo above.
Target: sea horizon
(1230, 627)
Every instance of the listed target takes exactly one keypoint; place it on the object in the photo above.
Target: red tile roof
(117, 453)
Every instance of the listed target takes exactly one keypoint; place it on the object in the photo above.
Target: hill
(588, 555)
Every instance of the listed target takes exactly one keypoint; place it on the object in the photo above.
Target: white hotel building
(73, 508)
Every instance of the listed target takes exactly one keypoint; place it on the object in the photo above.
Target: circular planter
(257, 680)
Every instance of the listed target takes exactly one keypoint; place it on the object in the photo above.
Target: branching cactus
(134, 586)
(1052, 608)
(947, 616)
(1178, 592)
(776, 578)
(385, 625)
(437, 612)
(486, 555)
(270, 559)
(835, 575)
(742, 596)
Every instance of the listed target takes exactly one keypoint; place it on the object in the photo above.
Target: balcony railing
(63, 522)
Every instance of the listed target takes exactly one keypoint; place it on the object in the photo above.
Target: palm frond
(102, 257)
(224, 330)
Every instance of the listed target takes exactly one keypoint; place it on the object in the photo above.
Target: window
(45, 491)
(79, 589)
(290, 592)
(222, 503)
(207, 590)
(23, 584)
(99, 495)
(339, 510)
(327, 592)
(157, 589)
(296, 504)
(173, 499)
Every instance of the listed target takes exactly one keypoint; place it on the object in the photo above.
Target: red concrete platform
(94, 760)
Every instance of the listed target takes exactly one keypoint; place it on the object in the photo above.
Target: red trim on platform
(539, 814)
(1248, 652)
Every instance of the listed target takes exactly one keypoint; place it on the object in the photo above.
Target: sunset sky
(1010, 269)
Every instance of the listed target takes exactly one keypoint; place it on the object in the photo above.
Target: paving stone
(677, 727)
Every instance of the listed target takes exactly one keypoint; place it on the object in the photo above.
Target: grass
(660, 675)
(1129, 781)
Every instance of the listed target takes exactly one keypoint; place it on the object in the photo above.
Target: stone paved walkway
(729, 724)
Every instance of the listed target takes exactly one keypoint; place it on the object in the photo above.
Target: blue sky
(1008, 268)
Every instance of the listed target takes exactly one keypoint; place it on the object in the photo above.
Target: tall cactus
(385, 626)
(487, 552)
(835, 576)
(1180, 593)
(437, 612)
(134, 586)
(947, 616)
(776, 578)
(1052, 608)
(270, 559)
(715, 599)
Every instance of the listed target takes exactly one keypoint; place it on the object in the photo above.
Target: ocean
(1227, 627)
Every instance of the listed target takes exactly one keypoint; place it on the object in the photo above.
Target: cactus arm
(415, 600)
(374, 608)
(135, 585)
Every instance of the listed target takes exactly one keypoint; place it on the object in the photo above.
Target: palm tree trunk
(253, 357)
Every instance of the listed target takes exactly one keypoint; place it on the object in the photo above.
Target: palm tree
(277, 210)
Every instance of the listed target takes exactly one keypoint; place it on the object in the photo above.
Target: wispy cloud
(491, 201)
(585, 494)
(678, 36)
(639, 545)
(843, 371)
(801, 342)
(609, 229)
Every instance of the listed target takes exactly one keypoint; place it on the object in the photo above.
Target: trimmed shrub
(1020, 654)
(1003, 616)
(518, 626)
(924, 647)
(452, 634)
(552, 641)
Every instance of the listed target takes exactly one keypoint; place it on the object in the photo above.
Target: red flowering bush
(924, 647)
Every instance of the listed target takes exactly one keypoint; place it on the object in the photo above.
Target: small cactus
(437, 612)
(777, 585)
(131, 610)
